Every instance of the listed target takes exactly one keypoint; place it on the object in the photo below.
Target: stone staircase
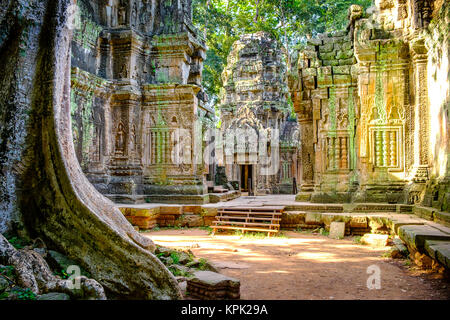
(259, 219)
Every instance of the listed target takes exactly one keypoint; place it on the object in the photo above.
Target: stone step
(415, 236)
(439, 250)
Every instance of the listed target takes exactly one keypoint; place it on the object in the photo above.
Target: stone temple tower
(137, 100)
(254, 115)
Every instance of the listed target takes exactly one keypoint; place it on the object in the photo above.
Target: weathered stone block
(314, 42)
(175, 210)
(324, 77)
(344, 54)
(309, 82)
(309, 72)
(424, 212)
(358, 222)
(341, 70)
(439, 250)
(442, 217)
(209, 285)
(313, 218)
(375, 240)
(326, 48)
(345, 62)
(337, 230)
(330, 62)
(327, 56)
(209, 212)
(340, 79)
(192, 209)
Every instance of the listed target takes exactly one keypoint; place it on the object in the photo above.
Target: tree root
(33, 272)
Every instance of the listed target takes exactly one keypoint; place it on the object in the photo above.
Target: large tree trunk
(40, 176)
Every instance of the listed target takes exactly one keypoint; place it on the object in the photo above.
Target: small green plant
(62, 274)
(24, 294)
(407, 263)
(4, 295)
(202, 264)
(324, 232)
(357, 240)
(180, 273)
(175, 257)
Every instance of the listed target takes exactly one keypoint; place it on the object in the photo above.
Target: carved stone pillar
(421, 107)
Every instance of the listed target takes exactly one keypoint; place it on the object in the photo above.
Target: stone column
(421, 106)
(306, 160)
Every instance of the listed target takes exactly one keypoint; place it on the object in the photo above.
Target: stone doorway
(246, 178)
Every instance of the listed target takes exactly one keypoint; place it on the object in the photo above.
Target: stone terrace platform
(425, 231)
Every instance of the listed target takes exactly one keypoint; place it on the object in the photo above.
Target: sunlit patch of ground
(304, 266)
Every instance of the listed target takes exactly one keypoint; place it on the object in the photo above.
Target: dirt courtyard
(305, 266)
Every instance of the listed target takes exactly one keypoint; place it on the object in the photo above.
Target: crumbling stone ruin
(138, 109)
(259, 147)
(372, 104)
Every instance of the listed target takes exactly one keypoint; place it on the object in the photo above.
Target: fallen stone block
(337, 230)
(375, 240)
(209, 285)
(358, 222)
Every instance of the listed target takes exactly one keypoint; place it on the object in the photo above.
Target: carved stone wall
(254, 114)
(365, 102)
(137, 103)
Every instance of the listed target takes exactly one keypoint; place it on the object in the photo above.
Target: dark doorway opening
(247, 178)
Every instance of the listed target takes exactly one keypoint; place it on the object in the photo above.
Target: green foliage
(17, 242)
(203, 264)
(180, 273)
(7, 271)
(62, 274)
(23, 294)
(288, 21)
(175, 257)
(357, 240)
(324, 232)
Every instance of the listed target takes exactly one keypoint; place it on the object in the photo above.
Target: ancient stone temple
(259, 147)
(138, 109)
(373, 103)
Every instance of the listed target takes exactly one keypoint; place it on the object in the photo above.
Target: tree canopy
(289, 21)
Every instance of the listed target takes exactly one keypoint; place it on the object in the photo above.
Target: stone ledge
(442, 217)
(415, 236)
(439, 250)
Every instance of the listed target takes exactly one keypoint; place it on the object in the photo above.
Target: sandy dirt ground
(306, 266)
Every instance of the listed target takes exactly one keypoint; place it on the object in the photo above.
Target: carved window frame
(335, 134)
(400, 147)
